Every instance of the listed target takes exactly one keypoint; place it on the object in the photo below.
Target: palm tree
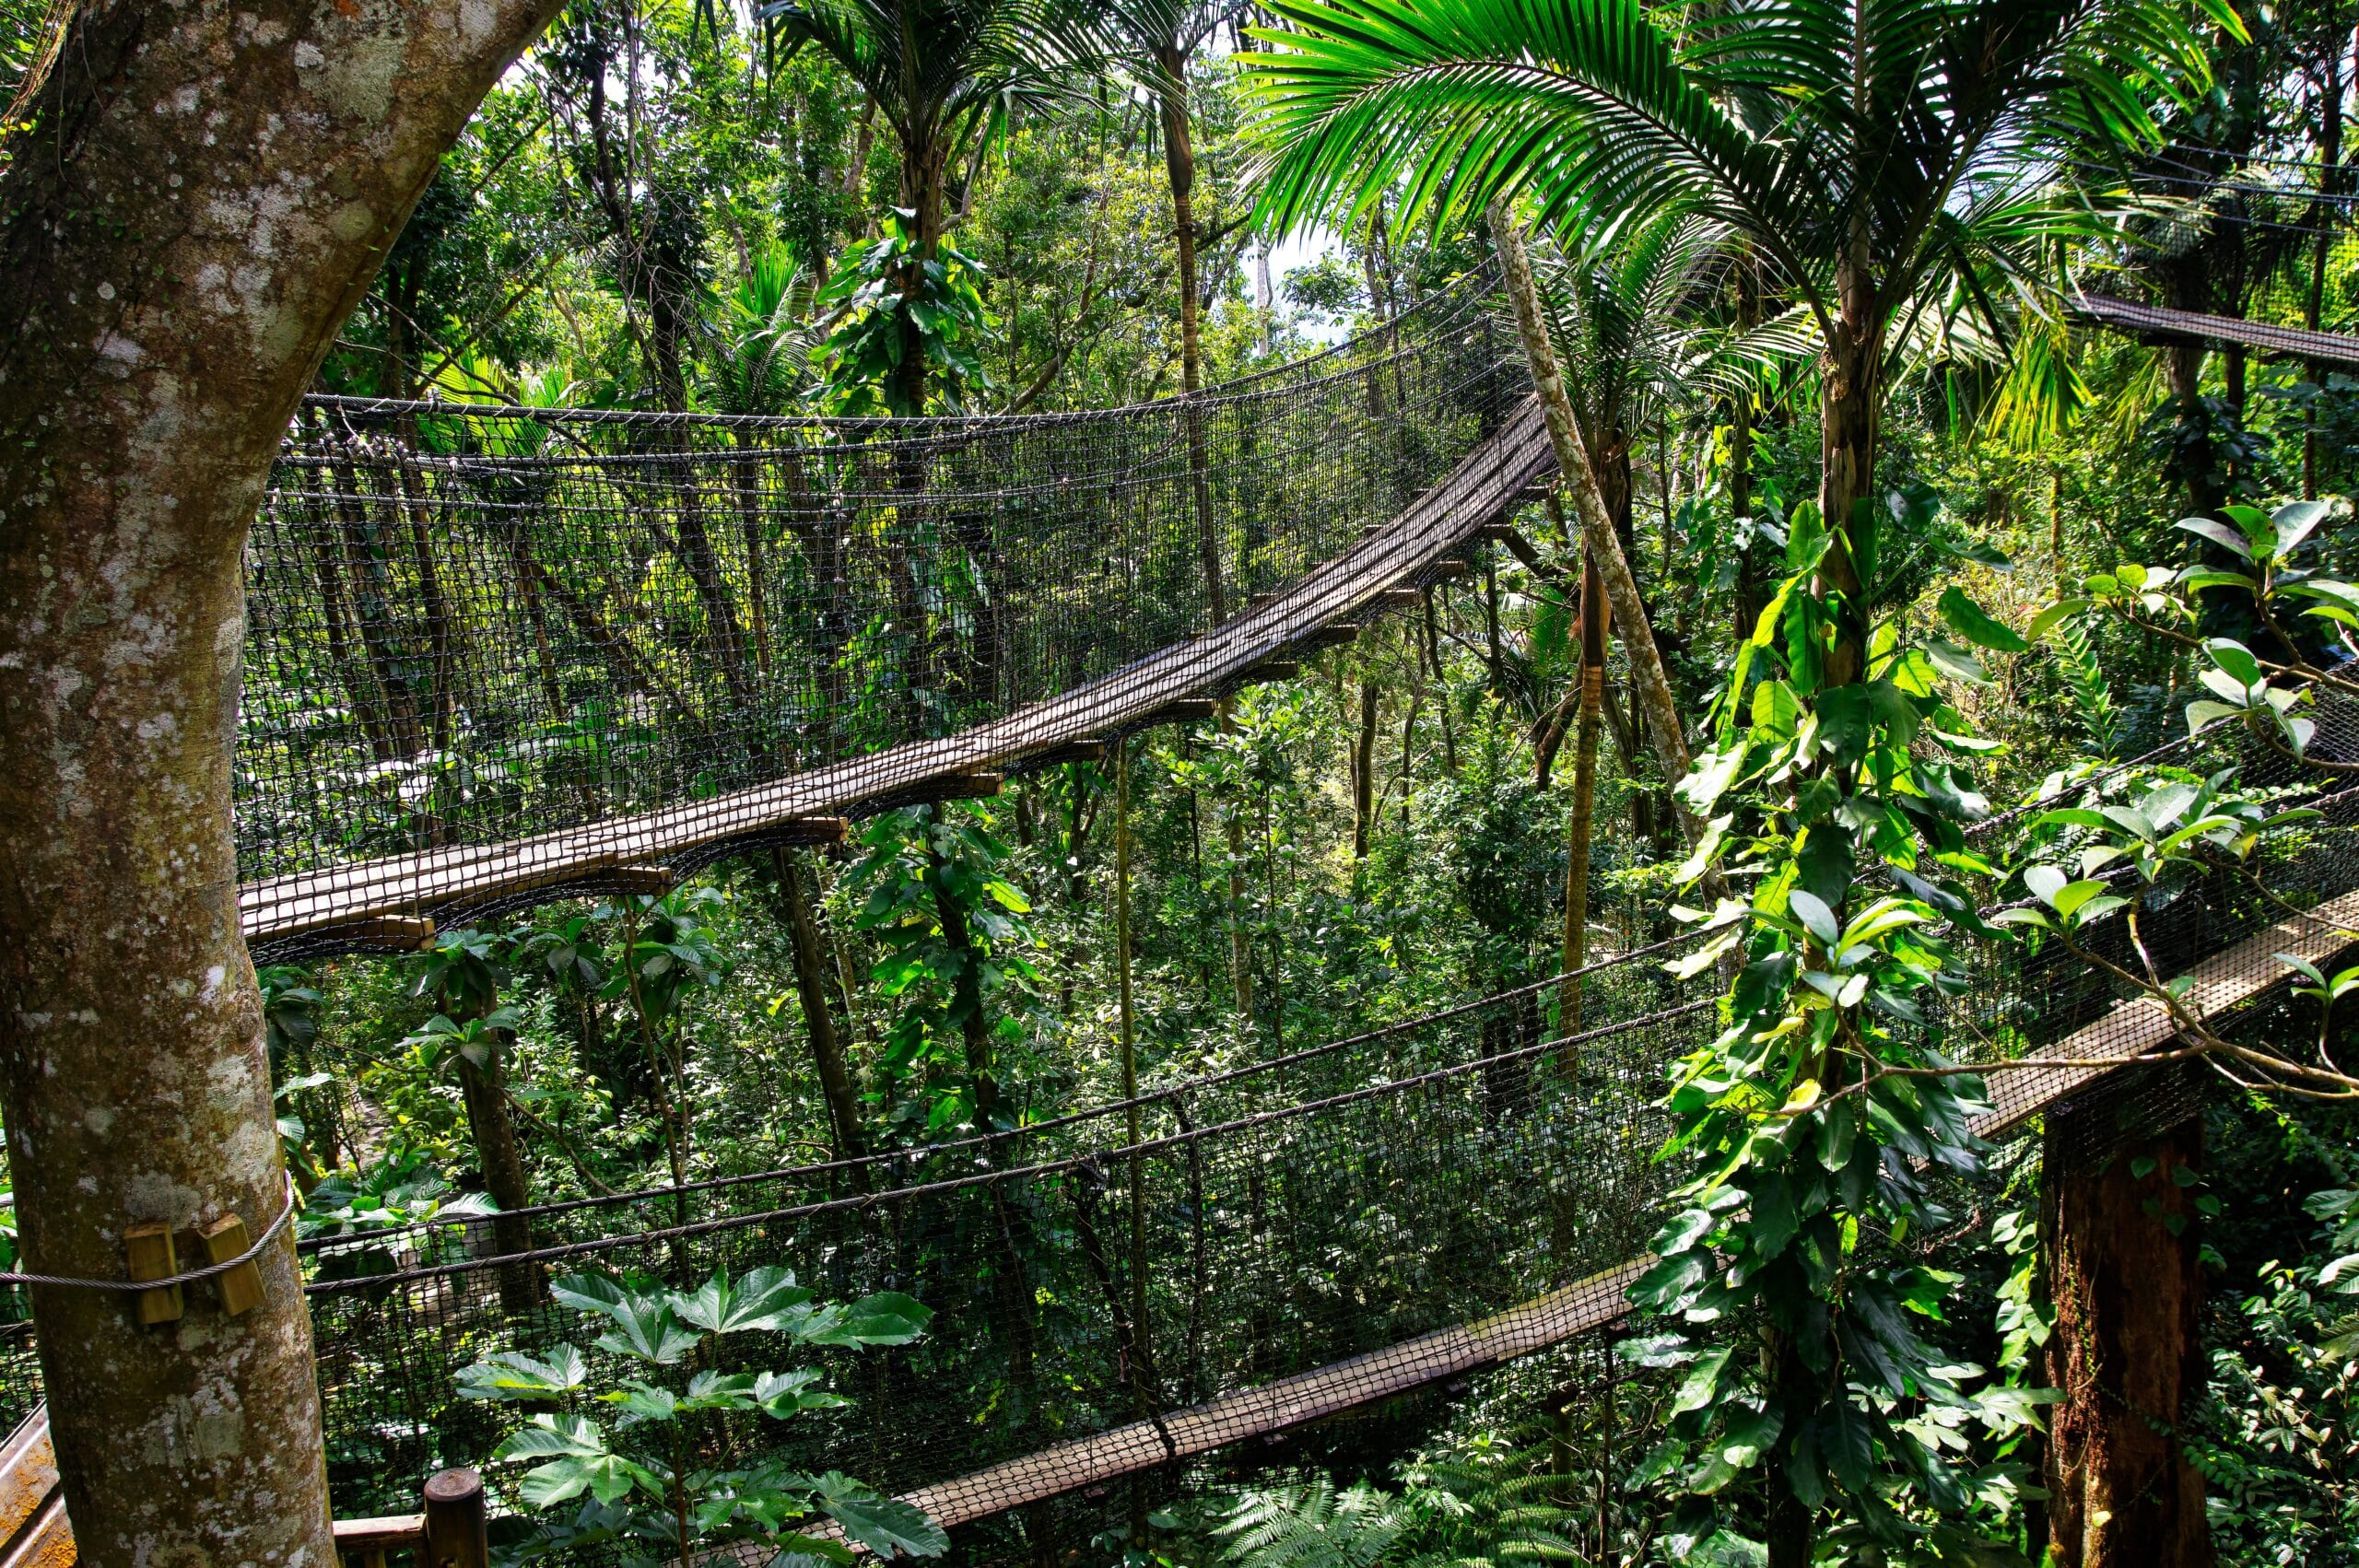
(1629, 325)
(941, 73)
(1869, 151)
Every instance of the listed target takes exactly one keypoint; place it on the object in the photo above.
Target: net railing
(1317, 1225)
(1336, 1202)
(474, 625)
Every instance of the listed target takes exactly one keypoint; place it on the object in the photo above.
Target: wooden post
(148, 1254)
(456, 1533)
(240, 1288)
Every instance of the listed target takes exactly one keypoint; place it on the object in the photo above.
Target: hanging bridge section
(499, 654)
(2158, 323)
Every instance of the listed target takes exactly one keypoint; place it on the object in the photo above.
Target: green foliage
(958, 961)
(1812, 1122)
(2091, 693)
(1490, 1501)
(2268, 683)
(891, 293)
(2278, 1453)
(400, 1187)
(1603, 111)
(765, 349)
(636, 1456)
(1311, 1525)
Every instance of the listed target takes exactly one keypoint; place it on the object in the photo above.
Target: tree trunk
(1582, 827)
(2314, 300)
(2128, 1353)
(1789, 1524)
(1851, 395)
(484, 1093)
(215, 188)
(1180, 170)
(811, 989)
(1748, 316)
(1597, 524)
(1364, 768)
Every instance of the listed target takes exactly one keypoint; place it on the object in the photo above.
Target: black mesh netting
(494, 650)
(1318, 1234)
(1363, 1200)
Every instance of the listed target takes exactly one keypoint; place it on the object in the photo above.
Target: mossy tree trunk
(203, 194)
(2127, 1352)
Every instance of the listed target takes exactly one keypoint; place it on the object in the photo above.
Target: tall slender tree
(940, 73)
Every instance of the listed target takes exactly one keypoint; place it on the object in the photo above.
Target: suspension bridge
(498, 655)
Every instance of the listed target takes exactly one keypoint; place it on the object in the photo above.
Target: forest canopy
(1904, 676)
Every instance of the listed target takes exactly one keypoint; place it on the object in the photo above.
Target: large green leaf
(888, 1317)
(645, 1324)
(511, 1375)
(1976, 625)
(761, 1298)
(885, 1525)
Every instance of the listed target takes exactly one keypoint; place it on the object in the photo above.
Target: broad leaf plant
(1816, 1122)
(636, 1454)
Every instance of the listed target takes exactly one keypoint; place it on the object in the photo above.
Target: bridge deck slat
(1287, 1402)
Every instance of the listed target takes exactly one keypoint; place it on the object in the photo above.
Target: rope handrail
(1460, 299)
(821, 1169)
(866, 1201)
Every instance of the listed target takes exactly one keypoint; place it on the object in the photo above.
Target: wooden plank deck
(33, 1531)
(1287, 1402)
(1483, 486)
(2155, 322)
(2231, 979)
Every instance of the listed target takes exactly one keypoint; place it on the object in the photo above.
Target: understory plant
(959, 961)
(642, 1450)
(891, 296)
(2278, 1448)
(1816, 1124)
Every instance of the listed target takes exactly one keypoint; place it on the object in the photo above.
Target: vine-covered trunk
(484, 1094)
(1582, 827)
(1648, 678)
(1364, 768)
(2127, 1353)
(1179, 170)
(216, 187)
(818, 1019)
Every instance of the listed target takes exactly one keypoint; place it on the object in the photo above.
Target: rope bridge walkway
(499, 654)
